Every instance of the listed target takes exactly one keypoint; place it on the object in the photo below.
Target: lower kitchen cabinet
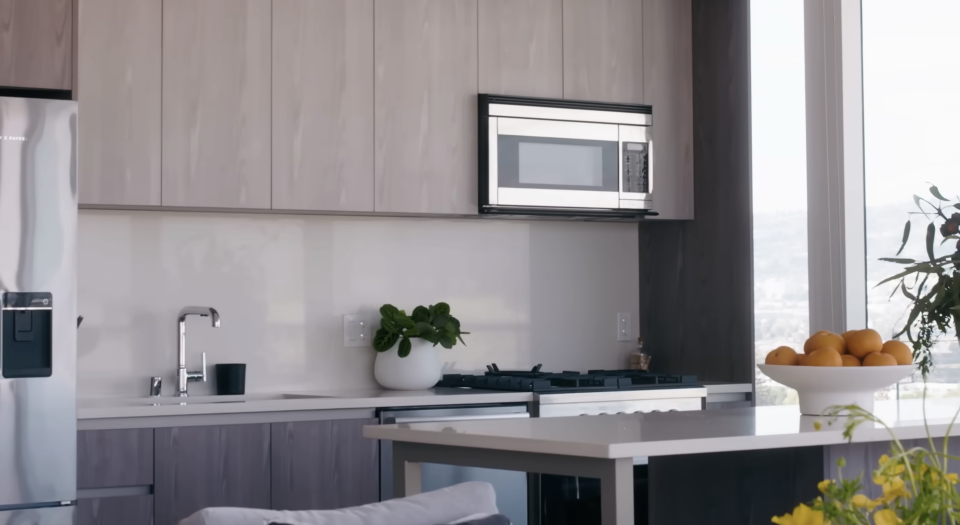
(214, 466)
(123, 510)
(323, 465)
(114, 458)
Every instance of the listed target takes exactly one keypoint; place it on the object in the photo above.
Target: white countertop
(672, 433)
(105, 408)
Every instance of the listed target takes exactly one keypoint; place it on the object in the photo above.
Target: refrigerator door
(39, 516)
(38, 225)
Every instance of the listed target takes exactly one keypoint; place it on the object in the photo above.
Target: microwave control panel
(636, 172)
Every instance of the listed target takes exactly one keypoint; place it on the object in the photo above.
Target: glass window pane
(911, 72)
(781, 312)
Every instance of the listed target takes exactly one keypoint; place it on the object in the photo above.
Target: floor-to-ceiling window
(911, 81)
(781, 311)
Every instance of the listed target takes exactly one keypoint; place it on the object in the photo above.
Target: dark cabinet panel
(323, 465)
(198, 467)
(114, 458)
(124, 510)
(36, 43)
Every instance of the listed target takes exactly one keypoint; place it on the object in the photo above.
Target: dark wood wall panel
(696, 277)
(114, 458)
(746, 488)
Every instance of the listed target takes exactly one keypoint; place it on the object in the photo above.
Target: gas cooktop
(561, 382)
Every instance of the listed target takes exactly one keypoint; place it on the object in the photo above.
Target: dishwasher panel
(510, 486)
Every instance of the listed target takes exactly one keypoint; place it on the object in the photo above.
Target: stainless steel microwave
(565, 158)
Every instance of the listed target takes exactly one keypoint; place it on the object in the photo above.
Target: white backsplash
(528, 291)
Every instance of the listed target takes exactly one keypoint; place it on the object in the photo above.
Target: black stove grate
(543, 382)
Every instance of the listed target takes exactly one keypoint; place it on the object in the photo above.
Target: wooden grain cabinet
(323, 465)
(322, 105)
(122, 510)
(114, 458)
(603, 50)
(198, 467)
(118, 89)
(36, 44)
(668, 87)
(216, 103)
(425, 109)
(521, 47)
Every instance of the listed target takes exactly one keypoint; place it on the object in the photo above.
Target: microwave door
(556, 164)
(636, 167)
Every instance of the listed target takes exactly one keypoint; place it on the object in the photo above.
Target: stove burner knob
(654, 411)
(604, 414)
(673, 410)
(621, 413)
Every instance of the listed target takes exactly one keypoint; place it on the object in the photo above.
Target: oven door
(563, 164)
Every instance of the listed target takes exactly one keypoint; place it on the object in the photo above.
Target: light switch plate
(623, 327)
(356, 331)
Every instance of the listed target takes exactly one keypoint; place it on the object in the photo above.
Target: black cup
(231, 379)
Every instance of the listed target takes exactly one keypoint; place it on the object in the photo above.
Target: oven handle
(428, 419)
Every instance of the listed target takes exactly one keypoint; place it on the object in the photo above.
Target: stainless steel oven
(562, 157)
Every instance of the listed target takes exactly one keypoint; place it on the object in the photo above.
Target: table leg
(616, 492)
(406, 474)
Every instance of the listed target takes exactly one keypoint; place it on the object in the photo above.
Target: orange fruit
(802, 360)
(863, 342)
(782, 355)
(879, 359)
(899, 351)
(825, 339)
(849, 360)
(824, 357)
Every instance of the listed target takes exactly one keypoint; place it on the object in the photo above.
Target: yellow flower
(879, 479)
(817, 425)
(802, 515)
(894, 488)
(952, 478)
(824, 485)
(886, 517)
(864, 502)
(883, 460)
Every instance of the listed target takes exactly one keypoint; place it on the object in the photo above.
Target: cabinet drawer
(123, 510)
(114, 458)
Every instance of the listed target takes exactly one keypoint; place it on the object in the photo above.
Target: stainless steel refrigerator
(38, 303)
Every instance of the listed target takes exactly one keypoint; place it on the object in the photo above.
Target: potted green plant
(932, 285)
(406, 345)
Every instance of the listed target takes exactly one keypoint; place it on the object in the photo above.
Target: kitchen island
(723, 466)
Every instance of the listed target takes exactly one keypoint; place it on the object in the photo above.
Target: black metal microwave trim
(483, 203)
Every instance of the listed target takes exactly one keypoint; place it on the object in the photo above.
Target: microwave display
(635, 168)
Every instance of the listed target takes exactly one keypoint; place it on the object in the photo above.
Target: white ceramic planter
(418, 371)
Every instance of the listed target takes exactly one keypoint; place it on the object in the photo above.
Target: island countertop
(672, 433)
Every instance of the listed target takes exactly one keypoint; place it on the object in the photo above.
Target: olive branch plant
(932, 285)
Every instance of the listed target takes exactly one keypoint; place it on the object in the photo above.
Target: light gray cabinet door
(521, 47)
(603, 50)
(668, 87)
(323, 465)
(36, 43)
(215, 466)
(425, 106)
(323, 105)
(216, 103)
(119, 93)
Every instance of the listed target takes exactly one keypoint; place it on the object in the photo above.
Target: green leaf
(907, 294)
(461, 340)
(404, 322)
(447, 341)
(956, 308)
(388, 324)
(931, 233)
(440, 320)
(388, 311)
(936, 193)
(420, 315)
(405, 347)
(906, 236)
(898, 261)
(441, 309)
(949, 238)
(384, 340)
(411, 332)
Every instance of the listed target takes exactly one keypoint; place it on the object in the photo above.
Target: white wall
(528, 291)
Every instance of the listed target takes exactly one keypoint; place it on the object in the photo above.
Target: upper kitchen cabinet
(425, 111)
(216, 103)
(118, 88)
(668, 87)
(323, 105)
(603, 50)
(521, 47)
(36, 44)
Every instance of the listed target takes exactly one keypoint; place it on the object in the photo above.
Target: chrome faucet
(183, 376)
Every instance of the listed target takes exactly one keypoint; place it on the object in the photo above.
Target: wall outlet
(623, 327)
(356, 331)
